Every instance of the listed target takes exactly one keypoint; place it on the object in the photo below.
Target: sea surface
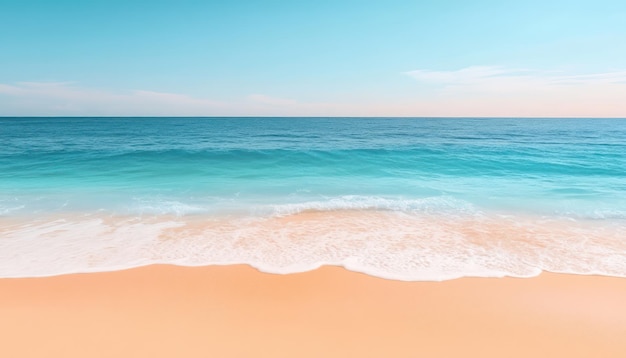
(399, 198)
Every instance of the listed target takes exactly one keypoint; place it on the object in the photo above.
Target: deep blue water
(549, 166)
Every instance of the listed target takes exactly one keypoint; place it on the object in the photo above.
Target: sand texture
(236, 311)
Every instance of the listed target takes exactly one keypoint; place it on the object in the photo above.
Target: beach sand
(236, 311)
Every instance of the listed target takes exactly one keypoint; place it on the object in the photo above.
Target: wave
(5, 210)
(144, 206)
(439, 204)
(222, 205)
(403, 245)
(442, 160)
(594, 214)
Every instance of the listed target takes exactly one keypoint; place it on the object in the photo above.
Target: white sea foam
(156, 206)
(9, 205)
(401, 245)
(439, 204)
(595, 214)
(5, 210)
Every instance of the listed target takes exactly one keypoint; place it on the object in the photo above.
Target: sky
(313, 58)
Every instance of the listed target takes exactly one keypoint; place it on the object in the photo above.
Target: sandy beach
(236, 311)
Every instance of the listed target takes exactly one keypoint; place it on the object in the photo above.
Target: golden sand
(236, 311)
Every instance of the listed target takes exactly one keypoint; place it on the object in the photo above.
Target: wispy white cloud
(472, 91)
(500, 91)
(66, 98)
(10, 90)
(468, 75)
(500, 79)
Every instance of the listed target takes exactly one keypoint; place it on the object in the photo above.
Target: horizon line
(338, 117)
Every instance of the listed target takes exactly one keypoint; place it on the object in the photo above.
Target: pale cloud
(70, 99)
(65, 98)
(10, 90)
(480, 91)
(498, 91)
(468, 75)
(500, 79)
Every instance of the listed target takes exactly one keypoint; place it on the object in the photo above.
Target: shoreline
(392, 245)
(539, 272)
(237, 311)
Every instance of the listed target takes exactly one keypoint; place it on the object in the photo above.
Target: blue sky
(394, 57)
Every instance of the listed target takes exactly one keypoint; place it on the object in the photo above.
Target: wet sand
(236, 311)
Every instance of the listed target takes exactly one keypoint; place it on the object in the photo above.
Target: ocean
(398, 198)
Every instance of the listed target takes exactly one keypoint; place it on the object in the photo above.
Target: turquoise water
(70, 186)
